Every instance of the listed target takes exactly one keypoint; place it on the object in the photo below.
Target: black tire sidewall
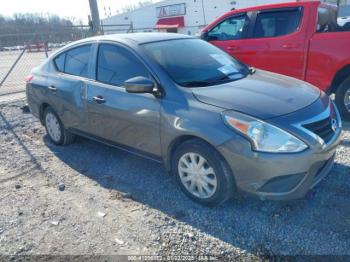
(61, 141)
(225, 184)
(339, 98)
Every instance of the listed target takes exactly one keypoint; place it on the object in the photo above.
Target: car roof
(139, 38)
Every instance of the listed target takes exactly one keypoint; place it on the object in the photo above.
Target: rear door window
(274, 23)
(74, 61)
(327, 20)
(77, 61)
(232, 28)
(59, 62)
(116, 64)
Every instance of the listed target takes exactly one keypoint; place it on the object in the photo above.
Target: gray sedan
(219, 126)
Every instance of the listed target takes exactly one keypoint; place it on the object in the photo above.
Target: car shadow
(293, 227)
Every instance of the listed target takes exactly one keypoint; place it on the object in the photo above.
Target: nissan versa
(217, 125)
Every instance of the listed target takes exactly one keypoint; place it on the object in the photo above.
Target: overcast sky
(64, 8)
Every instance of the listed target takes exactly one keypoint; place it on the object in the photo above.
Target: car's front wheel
(55, 129)
(202, 173)
(342, 99)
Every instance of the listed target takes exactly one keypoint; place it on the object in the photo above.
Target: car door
(327, 47)
(230, 35)
(131, 120)
(66, 85)
(277, 41)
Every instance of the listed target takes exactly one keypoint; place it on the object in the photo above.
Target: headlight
(264, 137)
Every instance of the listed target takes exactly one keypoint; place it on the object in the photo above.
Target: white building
(182, 16)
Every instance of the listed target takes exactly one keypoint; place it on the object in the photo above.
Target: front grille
(322, 128)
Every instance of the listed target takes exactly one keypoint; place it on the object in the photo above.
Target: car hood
(262, 94)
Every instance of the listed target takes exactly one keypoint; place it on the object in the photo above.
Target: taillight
(29, 78)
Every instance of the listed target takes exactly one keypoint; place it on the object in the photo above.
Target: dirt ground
(90, 199)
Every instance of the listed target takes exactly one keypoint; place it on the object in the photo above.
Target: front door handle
(99, 99)
(233, 47)
(52, 88)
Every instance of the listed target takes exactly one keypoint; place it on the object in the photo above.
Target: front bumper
(279, 176)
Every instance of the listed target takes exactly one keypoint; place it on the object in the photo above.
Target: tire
(342, 97)
(217, 192)
(55, 129)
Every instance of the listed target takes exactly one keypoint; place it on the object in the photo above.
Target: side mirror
(205, 36)
(139, 85)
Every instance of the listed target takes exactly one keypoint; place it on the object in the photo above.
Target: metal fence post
(46, 47)
(131, 28)
(13, 66)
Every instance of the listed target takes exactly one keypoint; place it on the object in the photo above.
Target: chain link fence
(21, 52)
(15, 65)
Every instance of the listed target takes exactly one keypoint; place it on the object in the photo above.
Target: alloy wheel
(347, 100)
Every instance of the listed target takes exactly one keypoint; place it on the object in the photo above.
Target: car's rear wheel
(55, 129)
(342, 99)
(202, 173)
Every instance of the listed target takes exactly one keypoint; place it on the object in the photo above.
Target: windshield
(195, 63)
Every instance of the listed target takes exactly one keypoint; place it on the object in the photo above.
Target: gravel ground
(88, 198)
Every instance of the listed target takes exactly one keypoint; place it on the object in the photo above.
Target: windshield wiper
(212, 81)
(196, 83)
(225, 78)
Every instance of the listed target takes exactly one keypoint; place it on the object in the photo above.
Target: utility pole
(338, 6)
(204, 17)
(96, 26)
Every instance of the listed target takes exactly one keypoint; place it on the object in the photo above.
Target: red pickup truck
(298, 39)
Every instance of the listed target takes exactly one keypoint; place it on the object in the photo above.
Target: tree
(30, 28)
(132, 7)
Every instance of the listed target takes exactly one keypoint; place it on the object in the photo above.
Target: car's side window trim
(64, 52)
(273, 10)
(253, 22)
(251, 25)
(245, 27)
(120, 45)
(54, 62)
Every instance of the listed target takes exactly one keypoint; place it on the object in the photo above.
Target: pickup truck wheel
(55, 129)
(202, 173)
(342, 99)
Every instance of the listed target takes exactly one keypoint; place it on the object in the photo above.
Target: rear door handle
(289, 46)
(52, 88)
(99, 99)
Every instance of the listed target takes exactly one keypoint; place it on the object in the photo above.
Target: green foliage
(31, 28)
